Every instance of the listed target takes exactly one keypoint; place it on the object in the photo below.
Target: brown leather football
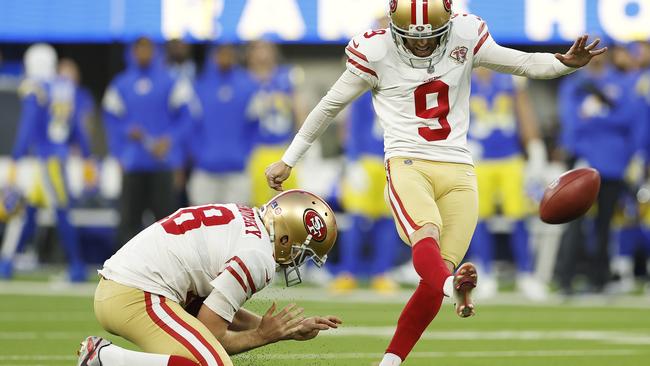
(569, 196)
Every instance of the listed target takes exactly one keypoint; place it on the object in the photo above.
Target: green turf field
(45, 330)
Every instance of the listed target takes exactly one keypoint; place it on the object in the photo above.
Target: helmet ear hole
(284, 239)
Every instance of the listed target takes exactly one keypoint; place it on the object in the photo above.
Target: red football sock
(180, 361)
(416, 316)
(429, 264)
(425, 301)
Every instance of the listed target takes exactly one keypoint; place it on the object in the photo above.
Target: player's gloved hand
(277, 173)
(310, 327)
(580, 54)
(282, 325)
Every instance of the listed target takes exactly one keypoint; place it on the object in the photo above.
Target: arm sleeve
(244, 274)
(347, 88)
(510, 61)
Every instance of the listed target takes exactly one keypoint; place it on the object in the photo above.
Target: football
(569, 196)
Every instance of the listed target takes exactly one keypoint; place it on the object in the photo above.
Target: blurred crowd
(187, 133)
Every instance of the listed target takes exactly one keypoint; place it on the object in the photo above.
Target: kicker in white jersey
(424, 112)
(219, 251)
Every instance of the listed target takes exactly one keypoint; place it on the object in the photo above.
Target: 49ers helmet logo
(447, 4)
(393, 6)
(315, 225)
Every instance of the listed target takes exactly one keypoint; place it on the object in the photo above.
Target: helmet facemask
(299, 254)
(421, 32)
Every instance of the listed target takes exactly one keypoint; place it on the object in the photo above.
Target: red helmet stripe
(414, 11)
(425, 11)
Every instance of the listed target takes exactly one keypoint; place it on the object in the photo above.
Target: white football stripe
(401, 216)
(419, 14)
(194, 341)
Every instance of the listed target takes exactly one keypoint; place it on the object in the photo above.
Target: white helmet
(40, 62)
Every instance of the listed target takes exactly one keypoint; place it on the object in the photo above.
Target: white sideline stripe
(364, 296)
(194, 341)
(617, 337)
(356, 355)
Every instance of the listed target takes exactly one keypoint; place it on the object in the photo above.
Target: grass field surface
(46, 329)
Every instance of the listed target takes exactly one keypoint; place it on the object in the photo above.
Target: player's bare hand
(580, 53)
(135, 133)
(277, 173)
(161, 147)
(310, 327)
(282, 325)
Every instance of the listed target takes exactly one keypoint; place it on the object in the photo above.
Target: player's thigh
(487, 189)
(459, 211)
(515, 203)
(155, 324)
(410, 195)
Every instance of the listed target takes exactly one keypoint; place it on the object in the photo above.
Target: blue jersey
(493, 117)
(272, 108)
(51, 120)
(365, 135)
(222, 139)
(159, 105)
(603, 120)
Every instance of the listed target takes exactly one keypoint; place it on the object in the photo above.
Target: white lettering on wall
(543, 15)
(191, 17)
(346, 18)
(281, 17)
(621, 26)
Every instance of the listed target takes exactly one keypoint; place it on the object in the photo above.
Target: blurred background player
(362, 192)
(51, 122)
(179, 59)
(148, 118)
(222, 140)
(632, 215)
(502, 121)
(275, 109)
(604, 127)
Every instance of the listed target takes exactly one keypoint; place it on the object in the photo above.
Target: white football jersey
(424, 113)
(220, 250)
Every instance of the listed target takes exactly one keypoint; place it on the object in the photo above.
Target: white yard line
(318, 294)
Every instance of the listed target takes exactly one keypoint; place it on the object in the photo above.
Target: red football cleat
(464, 282)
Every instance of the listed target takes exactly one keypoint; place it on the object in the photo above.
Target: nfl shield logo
(459, 54)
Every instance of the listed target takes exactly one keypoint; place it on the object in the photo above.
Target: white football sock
(113, 355)
(448, 287)
(390, 360)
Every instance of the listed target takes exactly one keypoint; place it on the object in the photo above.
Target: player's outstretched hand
(580, 53)
(310, 327)
(282, 325)
(277, 173)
